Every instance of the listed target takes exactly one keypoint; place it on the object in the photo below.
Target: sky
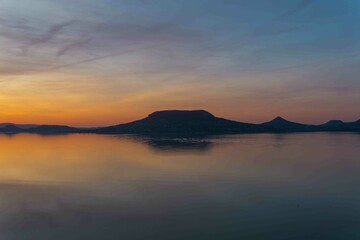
(103, 62)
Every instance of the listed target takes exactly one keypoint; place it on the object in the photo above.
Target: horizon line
(167, 110)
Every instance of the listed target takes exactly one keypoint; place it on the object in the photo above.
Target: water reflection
(241, 187)
(176, 144)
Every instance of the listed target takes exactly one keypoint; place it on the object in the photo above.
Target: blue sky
(248, 60)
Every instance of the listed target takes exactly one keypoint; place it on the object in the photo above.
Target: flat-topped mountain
(184, 123)
(280, 123)
(181, 115)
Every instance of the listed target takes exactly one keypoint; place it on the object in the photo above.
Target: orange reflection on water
(98, 158)
(84, 157)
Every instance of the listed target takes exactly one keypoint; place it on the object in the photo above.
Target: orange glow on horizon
(88, 101)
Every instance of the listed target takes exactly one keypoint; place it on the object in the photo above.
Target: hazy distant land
(179, 122)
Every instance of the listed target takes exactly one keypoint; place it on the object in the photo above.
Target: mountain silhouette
(356, 123)
(333, 123)
(189, 123)
(22, 126)
(10, 129)
(280, 123)
(338, 125)
(176, 122)
(53, 129)
(178, 115)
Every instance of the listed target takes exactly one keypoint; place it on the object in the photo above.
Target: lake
(255, 186)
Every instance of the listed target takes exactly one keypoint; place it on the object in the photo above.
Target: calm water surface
(261, 186)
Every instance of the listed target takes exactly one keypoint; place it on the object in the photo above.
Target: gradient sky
(101, 62)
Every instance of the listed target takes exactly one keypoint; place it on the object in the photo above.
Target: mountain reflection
(168, 144)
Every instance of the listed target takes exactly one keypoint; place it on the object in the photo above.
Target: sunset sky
(92, 62)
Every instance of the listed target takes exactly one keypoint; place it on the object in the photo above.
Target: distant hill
(333, 123)
(189, 123)
(282, 124)
(357, 123)
(10, 129)
(53, 129)
(22, 126)
(338, 125)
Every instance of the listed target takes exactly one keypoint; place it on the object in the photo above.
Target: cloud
(16, 24)
(13, 68)
(89, 60)
(48, 35)
(160, 32)
(74, 45)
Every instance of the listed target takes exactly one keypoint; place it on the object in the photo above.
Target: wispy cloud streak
(48, 35)
(74, 45)
(89, 60)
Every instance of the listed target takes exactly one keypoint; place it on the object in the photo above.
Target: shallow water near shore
(251, 186)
